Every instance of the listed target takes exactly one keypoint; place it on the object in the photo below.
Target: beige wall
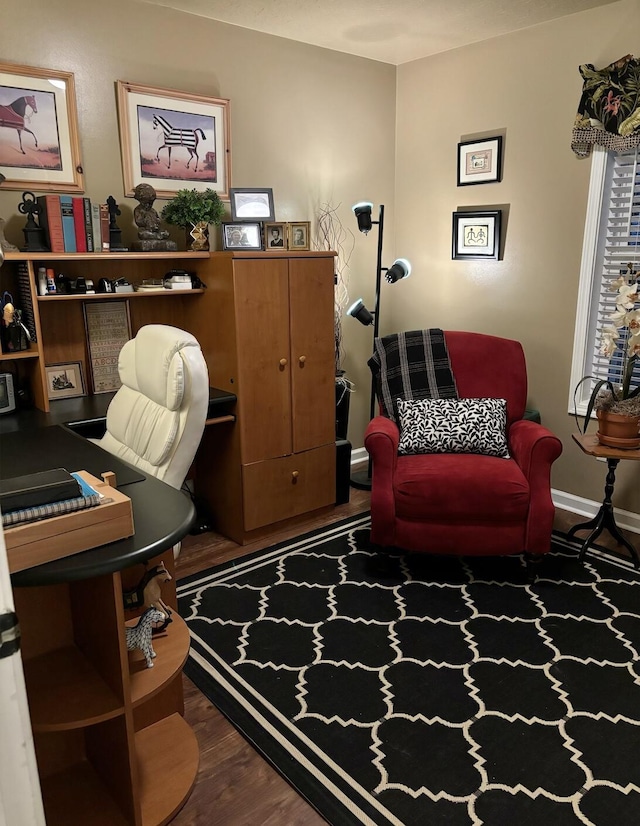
(525, 86)
(318, 126)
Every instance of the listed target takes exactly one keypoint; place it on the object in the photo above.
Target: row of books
(88, 498)
(74, 224)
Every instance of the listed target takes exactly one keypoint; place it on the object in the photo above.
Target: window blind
(618, 244)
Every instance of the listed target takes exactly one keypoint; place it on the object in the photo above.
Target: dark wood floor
(235, 785)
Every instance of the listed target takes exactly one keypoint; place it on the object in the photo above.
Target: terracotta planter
(616, 430)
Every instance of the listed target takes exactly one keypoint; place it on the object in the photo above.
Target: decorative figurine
(150, 236)
(5, 246)
(115, 233)
(139, 636)
(147, 592)
(35, 238)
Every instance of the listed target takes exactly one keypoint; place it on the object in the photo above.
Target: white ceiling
(392, 31)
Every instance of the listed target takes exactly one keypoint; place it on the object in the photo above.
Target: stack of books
(74, 224)
(41, 495)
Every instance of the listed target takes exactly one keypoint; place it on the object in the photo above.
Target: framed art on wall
(108, 327)
(173, 140)
(476, 234)
(480, 162)
(252, 204)
(39, 147)
(65, 381)
(299, 235)
(245, 236)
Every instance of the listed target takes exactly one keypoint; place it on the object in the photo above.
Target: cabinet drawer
(288, 486)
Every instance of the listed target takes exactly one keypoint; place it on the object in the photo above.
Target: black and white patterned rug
(444, 691)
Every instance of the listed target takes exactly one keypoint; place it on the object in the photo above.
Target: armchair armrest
(535, 449)
(381, 439)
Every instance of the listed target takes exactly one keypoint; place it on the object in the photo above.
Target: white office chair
(156, 419)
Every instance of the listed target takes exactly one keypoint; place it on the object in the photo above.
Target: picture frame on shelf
(251, 204)
(275, 236)
(65, 380)
(476, 235)
(241, 236)
(39, 145)
(480, 161)
(108, 328)
(173, 140)
(299, 235)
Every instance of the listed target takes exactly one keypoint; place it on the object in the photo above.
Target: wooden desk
(112, 746)
(605, 518)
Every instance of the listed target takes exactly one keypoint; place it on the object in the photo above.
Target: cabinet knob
(283, 362)
(294, 475)
(302, 359)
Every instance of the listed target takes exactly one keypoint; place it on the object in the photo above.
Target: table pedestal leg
(605, 519)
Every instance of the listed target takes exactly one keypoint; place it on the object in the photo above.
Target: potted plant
(617, 405)
(194, 211)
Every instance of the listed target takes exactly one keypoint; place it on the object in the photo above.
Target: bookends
(34, 235)
(115, 233)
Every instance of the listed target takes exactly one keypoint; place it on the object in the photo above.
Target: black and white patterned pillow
(453, 426)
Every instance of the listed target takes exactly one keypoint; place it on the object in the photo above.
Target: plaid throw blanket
(413, 365)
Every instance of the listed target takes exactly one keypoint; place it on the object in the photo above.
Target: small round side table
(604, 519)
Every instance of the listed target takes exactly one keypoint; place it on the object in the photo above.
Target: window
(611, 241)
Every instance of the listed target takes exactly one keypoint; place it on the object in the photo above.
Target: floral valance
(609, 110)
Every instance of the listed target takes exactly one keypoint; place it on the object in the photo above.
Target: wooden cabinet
(112, 746)
(58, 321)
(269, 340)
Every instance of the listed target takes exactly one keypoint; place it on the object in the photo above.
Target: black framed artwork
(251, 204)
(476, 235)
(480, 162)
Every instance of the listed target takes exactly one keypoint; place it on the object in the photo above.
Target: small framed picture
(252, 204)
(476, 234)
(65, 381)
(480, 162)
(108, 328)
(242, 236)
(299, 235)
(275, 236)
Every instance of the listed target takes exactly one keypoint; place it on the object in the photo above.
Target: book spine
(104, 227)
(51, 220)
(88, 226)
(78, 224)
(97, 232)
(53, 509)
(68, 227)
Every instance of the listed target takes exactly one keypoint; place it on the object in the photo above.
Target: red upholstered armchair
(463, 503)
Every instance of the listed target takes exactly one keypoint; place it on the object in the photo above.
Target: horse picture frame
(173, 140)
(39, 145)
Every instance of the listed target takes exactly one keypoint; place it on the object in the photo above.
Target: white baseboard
(567, 501)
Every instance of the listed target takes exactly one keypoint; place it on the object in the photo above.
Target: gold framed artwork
(299, 235)
(108, 327)
(275, 236)
(173, 140)
(65, 380)
(39, 147)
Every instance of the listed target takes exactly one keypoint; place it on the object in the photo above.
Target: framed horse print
(39, 147)
(173, 140)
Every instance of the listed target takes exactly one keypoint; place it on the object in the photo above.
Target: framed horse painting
(173, 140)
(39, 146)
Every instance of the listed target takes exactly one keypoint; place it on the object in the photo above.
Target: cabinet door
(312, 352)
(262, 323)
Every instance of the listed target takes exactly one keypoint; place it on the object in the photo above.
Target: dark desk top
(162, 515)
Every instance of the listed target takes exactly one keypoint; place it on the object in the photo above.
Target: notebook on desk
(33, 451)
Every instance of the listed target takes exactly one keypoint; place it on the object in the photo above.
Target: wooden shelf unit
(111, 744)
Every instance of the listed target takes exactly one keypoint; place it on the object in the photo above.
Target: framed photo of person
(244, 236)
(65, 381)
(476, 234)
(39, 147)
(173, 140)
(299, 235)
(275, 236)
(251, 204)
(480, 162)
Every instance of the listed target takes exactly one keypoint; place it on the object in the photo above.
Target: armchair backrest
(156, 419)
(489, 367)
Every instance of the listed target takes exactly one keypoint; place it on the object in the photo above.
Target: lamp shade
(359, 311)
(362, 212)
(400, 268)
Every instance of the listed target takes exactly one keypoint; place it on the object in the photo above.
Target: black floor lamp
(400, 268)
